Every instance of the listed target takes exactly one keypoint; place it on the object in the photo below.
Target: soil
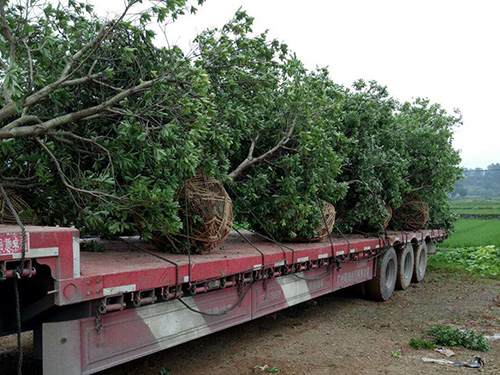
(334, 334)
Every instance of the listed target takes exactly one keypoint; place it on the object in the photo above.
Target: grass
(482, 260)
(475, 203)
(449, 336)
(396, 354)
(477, 211)
(474, 248)
(474, 232)
(422, 343)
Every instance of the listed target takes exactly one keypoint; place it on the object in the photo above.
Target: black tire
(406, 259)
(420, 263)
(381, 287)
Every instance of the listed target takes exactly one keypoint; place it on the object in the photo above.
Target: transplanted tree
(433, 165)
(276, 115)
(376, 166)
(98, 126)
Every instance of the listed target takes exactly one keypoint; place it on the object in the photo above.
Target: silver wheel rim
(422, 262)
(407, 267)
(390, 273)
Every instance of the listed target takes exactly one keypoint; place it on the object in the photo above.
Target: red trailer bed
(122, 288)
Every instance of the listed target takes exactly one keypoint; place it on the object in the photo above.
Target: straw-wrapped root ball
(412, 215)
(27, 215)
(207, 213)
(327, 218)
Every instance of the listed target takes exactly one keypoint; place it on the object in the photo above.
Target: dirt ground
(334, 334)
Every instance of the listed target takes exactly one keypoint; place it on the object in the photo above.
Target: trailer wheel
(380, 288)
(406, 260)
(420, 263)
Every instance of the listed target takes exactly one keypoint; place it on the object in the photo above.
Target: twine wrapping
(412, 215)
(210, 216)
(27, 215)
(327, 220)
(388, 218)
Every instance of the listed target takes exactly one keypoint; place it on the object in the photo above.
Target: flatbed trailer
(93, 310)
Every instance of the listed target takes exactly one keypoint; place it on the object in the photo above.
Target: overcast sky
(446, 50)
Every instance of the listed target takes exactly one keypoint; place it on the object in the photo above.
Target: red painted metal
(123, 268)
(232, 285)
(163, 325)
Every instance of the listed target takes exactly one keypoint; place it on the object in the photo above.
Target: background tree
(479, 182)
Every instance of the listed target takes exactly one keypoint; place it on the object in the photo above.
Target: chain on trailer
(335, 261)
(176, 291)
(269, 236)
(243, 279)
(249, 279)
(17, 273)
(139, 298)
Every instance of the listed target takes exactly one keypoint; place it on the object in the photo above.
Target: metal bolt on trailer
(82, 306)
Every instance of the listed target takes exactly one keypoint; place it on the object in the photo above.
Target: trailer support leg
(61, 348)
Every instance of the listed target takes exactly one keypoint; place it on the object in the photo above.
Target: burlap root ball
(26, 214)
(209, 213)
(388, 218)
(412, 215)
(327, 218)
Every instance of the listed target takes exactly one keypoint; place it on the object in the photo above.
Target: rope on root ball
(412, 215)
(28, 216)
(209, 216)
(328, 214)
(388, 217)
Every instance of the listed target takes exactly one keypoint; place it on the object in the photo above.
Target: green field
(474, 248)
(474, 232)
(477, 211)
(476, 203)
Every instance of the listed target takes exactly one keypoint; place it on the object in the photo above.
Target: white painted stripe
(397, 238)
(76, 257)
(118, 290)
(280, 263)
(377, 246)
(352, 251)
(39, 253)
(257, 266)
(186, 279)
(322, 256)
(340, 252)
(303, 259)
(295, 290)
(172, 323)
(367, 248)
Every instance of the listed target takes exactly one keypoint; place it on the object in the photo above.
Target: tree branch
(25, 119)
(6, 32)
(97, 194)
(30, 61)
(250, 160)
(39, 129)
(96, 144)
(10, 110)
